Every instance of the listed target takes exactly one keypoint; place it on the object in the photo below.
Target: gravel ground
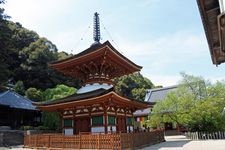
(181, 143)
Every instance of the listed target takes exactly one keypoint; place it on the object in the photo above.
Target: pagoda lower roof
(100, 61)
(91, 98)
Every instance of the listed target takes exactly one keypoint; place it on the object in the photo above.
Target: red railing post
(79, 140)
(98, 144)
(48, 145)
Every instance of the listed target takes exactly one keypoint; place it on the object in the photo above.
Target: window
(129, 121)
(111, 120)
(68, 123)
(97, 120)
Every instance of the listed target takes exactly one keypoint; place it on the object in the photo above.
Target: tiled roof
(13, 100)
(93, 48)
(143, 112)
(83, 96)
(154, 95)
(77, 97)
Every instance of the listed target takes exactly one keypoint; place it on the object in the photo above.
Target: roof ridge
(163, 88)
(4, 93)
(21, 96)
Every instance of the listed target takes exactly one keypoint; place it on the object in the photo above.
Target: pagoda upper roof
(99, 62)
(91, 98)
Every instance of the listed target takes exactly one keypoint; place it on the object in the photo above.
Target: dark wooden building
(213, 19)
(17, 111)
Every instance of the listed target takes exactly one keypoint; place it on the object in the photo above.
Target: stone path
(181, 143)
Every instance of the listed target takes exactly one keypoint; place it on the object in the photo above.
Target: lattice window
(97, 120)
(111, 120)
(130, 121)
(68, 123)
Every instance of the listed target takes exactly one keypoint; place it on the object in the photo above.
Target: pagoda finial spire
(96, 26)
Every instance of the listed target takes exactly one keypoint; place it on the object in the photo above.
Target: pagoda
(96, 107)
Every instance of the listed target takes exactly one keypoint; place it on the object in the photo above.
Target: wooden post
(98, 145)
(115, 108)
(89, 114)
(62, 141)
(125, 111)
(120, 140)
(105, 119)
(49, 145)
(74, 123)
(79, 140)
(36, 138)
(111, 141)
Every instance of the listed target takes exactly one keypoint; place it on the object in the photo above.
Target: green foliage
(25, 56)
(133, 86)
(33, 94)
(63, 55)
(196, 104)
(4, 46)
(59, 91)
(19, 87)
(26, 128)
(51, 120)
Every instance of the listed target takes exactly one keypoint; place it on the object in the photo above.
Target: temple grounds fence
(93, 141)
(205, 135)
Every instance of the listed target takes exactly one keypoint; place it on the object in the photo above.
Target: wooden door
(82, 125)
(121, 124)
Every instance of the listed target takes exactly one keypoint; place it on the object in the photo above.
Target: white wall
(68, 131)
(113, 128)
(97, 129)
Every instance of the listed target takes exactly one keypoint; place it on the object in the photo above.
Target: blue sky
(165, 37)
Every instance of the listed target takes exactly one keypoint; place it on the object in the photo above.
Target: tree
(133, 86)
(196, 104)
(19, 87)
(51, 120)
(35, 63)
(34, 94)
(63, 55)
(4, 46)
(25, 56)
(58, 92)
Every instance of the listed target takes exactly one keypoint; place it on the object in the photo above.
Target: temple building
(96, 107)
(152, 97)
(17, 111)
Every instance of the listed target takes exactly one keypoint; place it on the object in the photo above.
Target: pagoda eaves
(89, 99)
(99, 63)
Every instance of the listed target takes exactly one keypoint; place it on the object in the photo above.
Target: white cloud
(39, 15)
(161, 53)
(165, 57)
(164, 80)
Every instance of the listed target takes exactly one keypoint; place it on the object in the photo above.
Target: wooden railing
(93, 141)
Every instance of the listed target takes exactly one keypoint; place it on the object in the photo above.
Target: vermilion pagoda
(96, 107)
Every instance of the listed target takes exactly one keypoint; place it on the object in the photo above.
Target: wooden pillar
(125, 111)
(89, 114)
(105, 118)
(132, 113)
(61, 118)
(74, 123)
(115, 108)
